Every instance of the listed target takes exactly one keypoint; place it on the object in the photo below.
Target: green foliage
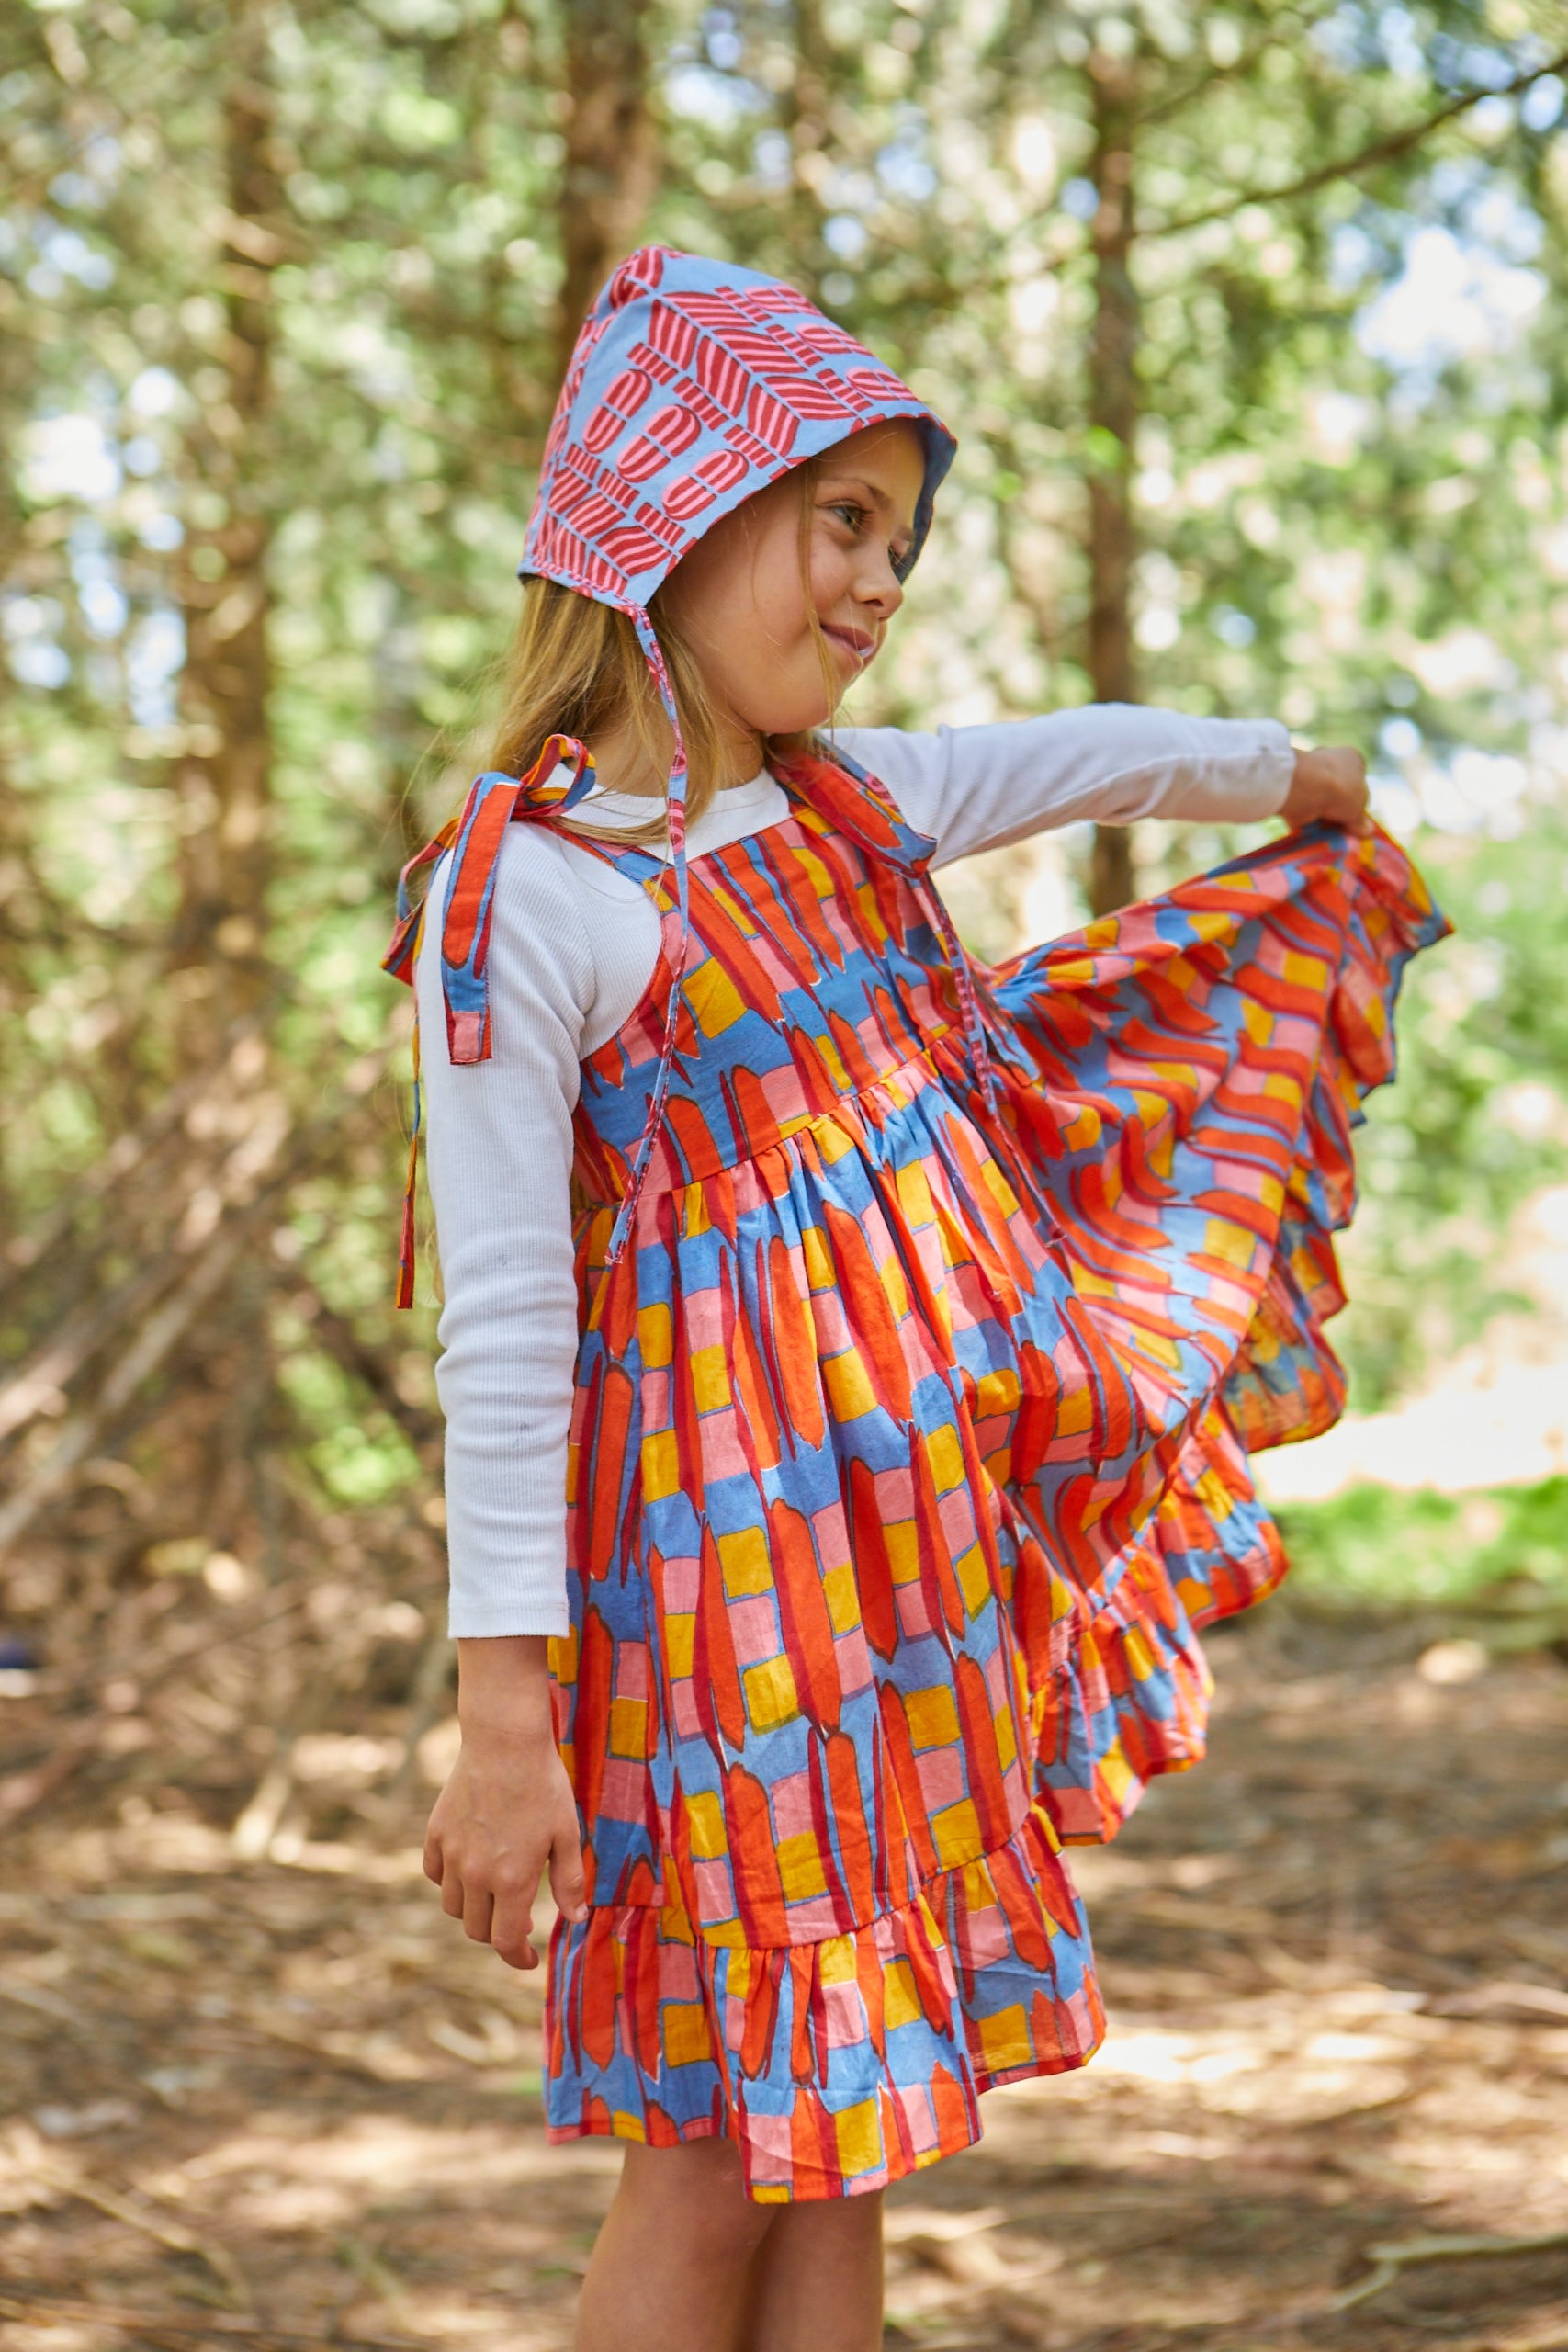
(1479, 1120)
(1367, 537)
(357, 1461)
(1374, 1544)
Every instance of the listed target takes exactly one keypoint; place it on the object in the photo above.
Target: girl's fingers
(505, 1811)
(568, 1882)
(509, 1930)
(477, 1907)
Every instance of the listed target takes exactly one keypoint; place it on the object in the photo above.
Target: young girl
(851, 1356)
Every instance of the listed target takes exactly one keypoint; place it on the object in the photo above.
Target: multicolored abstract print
(909, 1450)
(692, 384)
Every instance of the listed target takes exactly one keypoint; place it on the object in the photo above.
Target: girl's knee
(699, 2191)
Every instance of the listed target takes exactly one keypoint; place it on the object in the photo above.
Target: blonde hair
(574, 667)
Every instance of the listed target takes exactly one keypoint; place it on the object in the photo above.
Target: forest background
(1251, 320)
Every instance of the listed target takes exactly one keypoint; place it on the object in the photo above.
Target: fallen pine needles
(42, 2308)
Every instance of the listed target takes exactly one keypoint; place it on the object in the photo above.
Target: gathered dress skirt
(909, 1453)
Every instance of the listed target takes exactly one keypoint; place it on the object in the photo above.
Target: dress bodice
(815, 966)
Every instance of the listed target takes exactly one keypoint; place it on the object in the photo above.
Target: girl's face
(741, 600)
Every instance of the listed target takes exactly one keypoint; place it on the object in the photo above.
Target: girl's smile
(860, 644)
(809, 567)
(785, 602)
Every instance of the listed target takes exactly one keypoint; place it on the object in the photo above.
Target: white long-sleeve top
(573, 944)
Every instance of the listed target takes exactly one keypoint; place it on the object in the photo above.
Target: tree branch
(1381, 150)
(423, 1430)
(1290, 26)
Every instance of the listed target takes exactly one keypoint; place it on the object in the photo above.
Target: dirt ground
(282, 2103)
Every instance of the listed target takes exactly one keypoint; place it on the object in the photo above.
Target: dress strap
(857, 803)
(494, 801)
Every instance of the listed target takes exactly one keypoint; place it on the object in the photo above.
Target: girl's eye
(856, 518)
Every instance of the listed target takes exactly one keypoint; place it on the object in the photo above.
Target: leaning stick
(141, 1360)
(128, 1152)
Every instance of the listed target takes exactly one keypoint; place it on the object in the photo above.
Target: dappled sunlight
(293, 2179)
(1332, 1961)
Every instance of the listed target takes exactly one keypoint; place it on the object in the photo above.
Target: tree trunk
(223, 776)
(806, 111)
(612, 153)
(1114, 420)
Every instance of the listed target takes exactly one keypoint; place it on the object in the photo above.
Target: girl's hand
(1330, 784)
(507, 1810)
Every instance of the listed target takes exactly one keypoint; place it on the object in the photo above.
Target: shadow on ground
(284, 2104)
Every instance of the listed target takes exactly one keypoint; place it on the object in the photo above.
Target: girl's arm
(507, 1810)
(500, 1163)
(1110, 764)
(499, 1156)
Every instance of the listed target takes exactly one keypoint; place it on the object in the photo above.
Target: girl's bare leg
(673, 2269)
(818, 2279)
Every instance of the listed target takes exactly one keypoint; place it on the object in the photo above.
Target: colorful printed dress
(909, 1449)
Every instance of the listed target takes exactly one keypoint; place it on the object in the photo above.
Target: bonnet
(693, 385)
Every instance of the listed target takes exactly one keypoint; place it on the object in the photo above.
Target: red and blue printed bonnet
(693, 385)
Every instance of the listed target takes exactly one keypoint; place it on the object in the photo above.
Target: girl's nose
(879, 588)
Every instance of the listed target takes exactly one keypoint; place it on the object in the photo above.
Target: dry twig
(79, 1436)
(1406, 2253)
(65, 2180)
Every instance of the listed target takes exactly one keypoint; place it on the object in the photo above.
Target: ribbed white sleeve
(980, 788)
(572, 947)
(499, 1148)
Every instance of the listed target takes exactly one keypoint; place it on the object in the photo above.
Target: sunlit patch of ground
(288, 2105)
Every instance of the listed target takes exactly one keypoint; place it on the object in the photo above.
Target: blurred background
(1253, 321)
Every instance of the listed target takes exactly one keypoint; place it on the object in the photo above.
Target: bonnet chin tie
(675, 805)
